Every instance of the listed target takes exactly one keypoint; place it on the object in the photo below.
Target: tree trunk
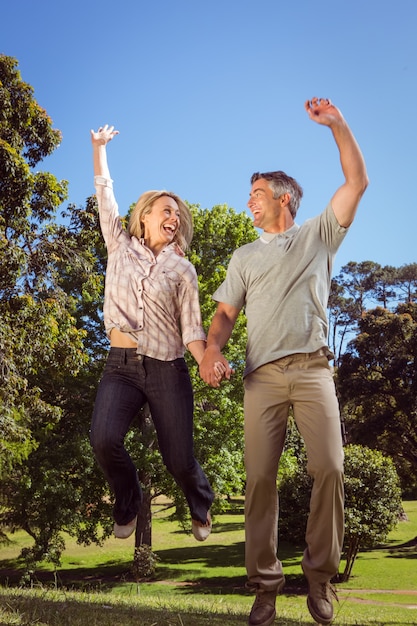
(352, 553)
(144, 560)
(144, 524)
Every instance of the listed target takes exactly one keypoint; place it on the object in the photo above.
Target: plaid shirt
(155, 300)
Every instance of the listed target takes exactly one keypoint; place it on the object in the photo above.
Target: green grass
(199, 584)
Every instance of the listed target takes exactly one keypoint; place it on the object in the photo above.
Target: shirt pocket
(170, 282)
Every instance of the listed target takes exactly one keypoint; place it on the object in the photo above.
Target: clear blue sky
(206, 93)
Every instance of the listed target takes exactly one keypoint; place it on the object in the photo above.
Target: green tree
(407, 282)
(384, 282)
(358, 281)
(45, 465)
(26, 136)
(219, 413)
(372, 501)
(360, 287)
(377, 384)
(343, 313)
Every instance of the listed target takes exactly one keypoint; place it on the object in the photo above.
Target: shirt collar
(290, 232)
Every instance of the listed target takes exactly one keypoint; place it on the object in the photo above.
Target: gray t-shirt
(283, 283)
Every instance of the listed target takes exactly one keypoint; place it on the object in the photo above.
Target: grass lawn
(199, 584)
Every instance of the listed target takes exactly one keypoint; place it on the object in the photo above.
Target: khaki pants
(305, 382)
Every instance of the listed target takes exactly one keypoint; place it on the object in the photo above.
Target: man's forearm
(220, 331)
(351, 158)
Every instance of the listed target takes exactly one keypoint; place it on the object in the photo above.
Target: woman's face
(161, 224)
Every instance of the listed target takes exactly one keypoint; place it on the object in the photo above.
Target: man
(282, 280)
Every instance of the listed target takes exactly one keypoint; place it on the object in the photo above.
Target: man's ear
(285, 199)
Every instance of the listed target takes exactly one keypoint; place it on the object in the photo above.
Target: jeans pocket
(180, 365)
(115, 360)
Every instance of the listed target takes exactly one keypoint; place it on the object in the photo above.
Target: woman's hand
(103, 135)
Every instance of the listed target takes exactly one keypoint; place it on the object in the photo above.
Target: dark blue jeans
(128, 382)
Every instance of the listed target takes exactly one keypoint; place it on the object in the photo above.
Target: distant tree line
(360, 287)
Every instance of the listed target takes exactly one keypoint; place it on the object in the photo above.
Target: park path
(356, 595)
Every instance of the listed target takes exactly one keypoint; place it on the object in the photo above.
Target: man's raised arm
(346, 199)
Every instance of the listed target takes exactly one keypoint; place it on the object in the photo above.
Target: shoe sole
(124, 532)
(267, 623)
(201, 532)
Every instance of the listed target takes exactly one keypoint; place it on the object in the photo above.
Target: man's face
(263, 206)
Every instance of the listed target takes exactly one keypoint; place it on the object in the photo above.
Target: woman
(151, 293)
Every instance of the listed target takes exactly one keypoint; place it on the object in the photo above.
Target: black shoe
(320, 602)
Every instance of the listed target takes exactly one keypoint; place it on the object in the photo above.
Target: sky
(206, 93)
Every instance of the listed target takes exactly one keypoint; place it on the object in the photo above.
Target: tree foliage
(219, 413)
(47, 277)
(360, 287)
(372, 501)
(377, 382)
(373, 335)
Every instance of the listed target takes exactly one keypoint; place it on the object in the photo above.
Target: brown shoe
(320, 602)
(263, 609)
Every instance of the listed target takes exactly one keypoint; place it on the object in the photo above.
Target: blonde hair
(184, 234)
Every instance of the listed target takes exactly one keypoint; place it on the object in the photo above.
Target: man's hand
(322, 111)
(103, 135)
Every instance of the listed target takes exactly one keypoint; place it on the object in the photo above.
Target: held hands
(103, 135)
(214, 368)
(322, 111)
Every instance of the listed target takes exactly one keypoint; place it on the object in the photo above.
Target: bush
(372, 501)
